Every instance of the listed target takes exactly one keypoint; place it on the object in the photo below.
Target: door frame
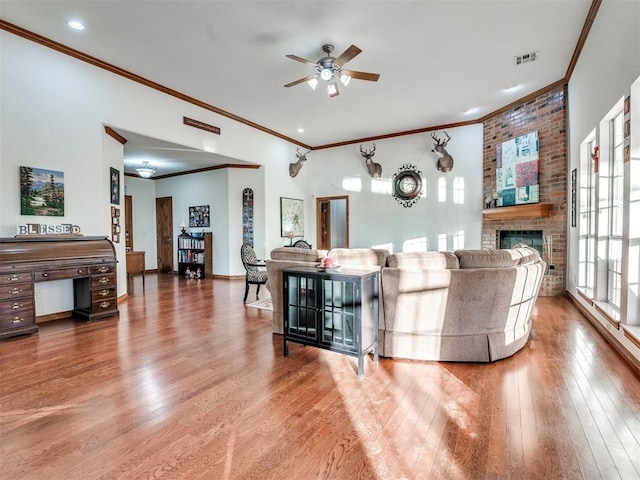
(319, 202)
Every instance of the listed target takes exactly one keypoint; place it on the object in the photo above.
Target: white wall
(377, 219)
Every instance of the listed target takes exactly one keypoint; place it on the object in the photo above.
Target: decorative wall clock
(407, 185)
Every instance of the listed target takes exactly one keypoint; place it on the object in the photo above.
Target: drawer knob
(103, 280)
(45, 274)
(16, 306)
(16, 320)
(103, 269)
(80, 271)
(15, 291)
(104, 293)
(14, 278)
(105, 305)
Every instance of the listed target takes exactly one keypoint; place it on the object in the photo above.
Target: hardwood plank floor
(189, 383)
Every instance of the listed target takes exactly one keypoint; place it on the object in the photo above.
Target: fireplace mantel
(528, 210)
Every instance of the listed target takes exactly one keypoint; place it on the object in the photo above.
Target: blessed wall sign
(43, 229)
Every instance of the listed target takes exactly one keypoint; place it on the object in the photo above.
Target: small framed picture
(114, 186)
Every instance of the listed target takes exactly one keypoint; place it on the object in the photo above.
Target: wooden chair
(302, 244)
(254, 276)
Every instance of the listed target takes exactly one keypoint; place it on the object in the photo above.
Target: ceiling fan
(329, 70)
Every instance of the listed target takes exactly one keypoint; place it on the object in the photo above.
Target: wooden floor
(189, 383)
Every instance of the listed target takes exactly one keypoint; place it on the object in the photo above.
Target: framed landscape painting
(41, 192)
(517, 170)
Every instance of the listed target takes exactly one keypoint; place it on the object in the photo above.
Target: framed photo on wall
(199, 216)
(291, 217)
(114, 186)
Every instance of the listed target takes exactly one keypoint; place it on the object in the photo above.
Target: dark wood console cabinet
(89, 261)
(335, 310)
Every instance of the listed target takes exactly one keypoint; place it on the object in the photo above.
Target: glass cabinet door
(338, 312)
(302, 307)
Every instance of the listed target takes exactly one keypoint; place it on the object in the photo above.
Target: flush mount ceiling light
(145, 170)
(329, 70)
(75, 24)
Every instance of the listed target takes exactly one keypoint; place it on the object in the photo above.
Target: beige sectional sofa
(469, 305)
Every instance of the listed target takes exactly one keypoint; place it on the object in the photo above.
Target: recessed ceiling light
(75, 24)
(300, 130)
(512, 89)
(470, 111)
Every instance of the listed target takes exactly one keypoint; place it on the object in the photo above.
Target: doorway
(164, 234)
(332, 222)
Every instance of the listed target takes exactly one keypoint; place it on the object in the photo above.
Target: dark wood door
(324, 228)
(164, 234)
(128, 222)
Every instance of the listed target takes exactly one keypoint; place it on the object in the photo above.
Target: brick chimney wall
(546, 114)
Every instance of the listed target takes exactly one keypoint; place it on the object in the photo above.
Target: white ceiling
(436, 58)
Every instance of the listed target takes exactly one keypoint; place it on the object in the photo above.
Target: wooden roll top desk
(89, 261)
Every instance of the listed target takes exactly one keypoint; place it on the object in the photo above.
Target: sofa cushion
(423, 260)
(529, 255)
(297, 254)
(487, 258)
(359, 256)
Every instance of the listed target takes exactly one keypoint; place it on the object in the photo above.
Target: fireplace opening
(509, 238)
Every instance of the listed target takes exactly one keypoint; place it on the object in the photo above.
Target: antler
(300, 155)
(440, 143)
(368, 153)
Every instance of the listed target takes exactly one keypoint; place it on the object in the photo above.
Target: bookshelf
(194, 253)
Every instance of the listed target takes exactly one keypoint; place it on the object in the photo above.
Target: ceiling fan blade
(300, 80)
(347, 55)
(300, 59)
(372, 77)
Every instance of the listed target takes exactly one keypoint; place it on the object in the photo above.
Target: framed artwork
(291, 217)
(114, 186)
(574, 193)
(517, 171)
(41, 192)
(247, 216)
(199, 216)
(115, 225)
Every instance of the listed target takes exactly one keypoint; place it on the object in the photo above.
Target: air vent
(526, 58)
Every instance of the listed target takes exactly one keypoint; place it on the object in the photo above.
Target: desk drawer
(18, 290)
(18, 307)
(103, 293)
(60, 274)
(103, 280)
(10, 322)
(14, 277)
(100, 269)
(104, 305)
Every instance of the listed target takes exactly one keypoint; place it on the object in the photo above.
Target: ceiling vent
(526, 58)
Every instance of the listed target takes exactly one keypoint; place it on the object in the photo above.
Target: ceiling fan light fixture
(345, 79)
(145, 170)
(332, 89)
(313, 83)
(326, 74)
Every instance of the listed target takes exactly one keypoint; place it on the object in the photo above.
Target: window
(610, 214)
(458, 190)
(587, 217)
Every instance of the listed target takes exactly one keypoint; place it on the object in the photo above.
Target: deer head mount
(375, 169)
(445, 161)
(294, 168)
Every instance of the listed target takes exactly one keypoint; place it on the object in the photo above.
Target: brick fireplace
(546, 114)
